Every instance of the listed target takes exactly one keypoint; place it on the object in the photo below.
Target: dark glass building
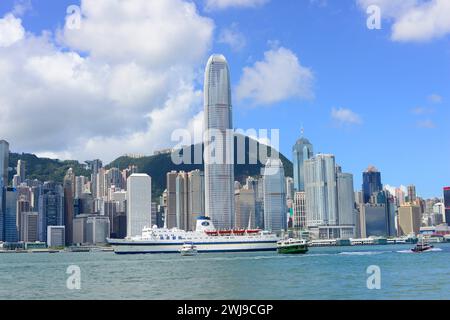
(447, 204)
(371, 183)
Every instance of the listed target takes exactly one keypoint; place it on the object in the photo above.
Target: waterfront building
(299, 211)
(438, 216)
(373, 220)
(182, 201)
(4, 162)
(196, 199)
(29, 227)
(219, 150)
(275, 212)
(23, 205)
(139, 201)
(51, 208)
(69, 192)
(346, 199)
(321, 191)
(302, 151)
(97, 229)
(371, 183)
(171, 208)
(447, 205)
(409, 219)
(56, 236)
(245, 204)
(11, 232)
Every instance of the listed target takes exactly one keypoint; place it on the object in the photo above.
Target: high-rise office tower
(69, 192)
(447, 205)
(245, 204)
(299, 219)
(219, 150)
(321, 191)
(80, 183)
(196, 196)
(139, 203)
(171, 208)
(94, 166)
(345, 199)
(29, 227)
(21, 170)
(182, 201)
(302, 150)
(371, 183)
(23, 205)
(409, 219)
(51, 208)
(4, 162)
(275, 212)
(289, 188)
(412, 193)
(10, 216)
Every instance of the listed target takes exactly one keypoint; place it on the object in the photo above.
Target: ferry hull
(125, 247)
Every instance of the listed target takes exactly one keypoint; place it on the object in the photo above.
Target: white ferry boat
(206, 238)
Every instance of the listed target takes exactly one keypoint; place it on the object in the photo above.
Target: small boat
(188, 249)
(422, 247)
(292, 246)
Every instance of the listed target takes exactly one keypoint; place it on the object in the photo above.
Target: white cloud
(11, 30)
(414, 20)
(278, 77)
(343, 117)
(134, 82)
(426, 124)
(435, 98)
(225, 4)
(232, 37)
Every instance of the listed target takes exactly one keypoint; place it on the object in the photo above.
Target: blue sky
(393, 96)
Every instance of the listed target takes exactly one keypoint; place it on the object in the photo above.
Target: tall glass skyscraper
(219, 151)
(371, 183)
(275, 211)
(302, 150)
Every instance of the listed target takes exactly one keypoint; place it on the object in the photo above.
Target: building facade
(219, 149)
(139, 203)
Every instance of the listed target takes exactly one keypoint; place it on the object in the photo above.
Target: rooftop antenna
(302, 131)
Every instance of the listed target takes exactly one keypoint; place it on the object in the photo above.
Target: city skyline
(347, 103)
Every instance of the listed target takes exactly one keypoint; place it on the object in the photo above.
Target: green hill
(156, 166)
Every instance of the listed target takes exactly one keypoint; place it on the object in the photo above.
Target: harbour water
(323, 273)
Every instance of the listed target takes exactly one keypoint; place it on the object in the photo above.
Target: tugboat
(422, 247)
(188, 249)
(292, 246)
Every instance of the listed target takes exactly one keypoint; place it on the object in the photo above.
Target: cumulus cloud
(414, 20)
(225, 4)
(11, 30)
(116, 86)
(232, 37)
(345, 117)
(278, 77)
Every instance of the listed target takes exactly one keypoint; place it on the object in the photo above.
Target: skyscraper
(11, 231)
(21, 170)
(371, 183)
(447, 204)
(69, 191)
(51, 208)
(4, 162)
(302, 150)
(275, 212)
(219, 151)
(321, 192)
(139, 203)
(196, 196)
(171, 208)
(412, 193)
(346, 199)
(182, 201)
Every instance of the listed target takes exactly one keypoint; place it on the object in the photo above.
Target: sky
(127, 74)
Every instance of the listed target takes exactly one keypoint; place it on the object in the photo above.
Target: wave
(362, 253)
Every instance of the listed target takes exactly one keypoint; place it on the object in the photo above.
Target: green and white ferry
(292, 246)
